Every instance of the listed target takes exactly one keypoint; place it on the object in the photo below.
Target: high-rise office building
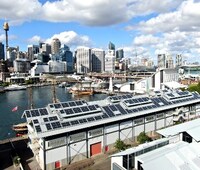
(55, 46)
(169, 62)
(45, 48)
(32, 50)
(179, 60)
(66, 55)
(98, 60)
(119, 54)
(110, 61)
(161, 61)
(111, 46)
(83, 60)
(2, 54)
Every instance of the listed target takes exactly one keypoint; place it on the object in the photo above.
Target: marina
(41, 97)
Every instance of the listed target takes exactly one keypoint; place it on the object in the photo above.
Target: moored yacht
(14, 87)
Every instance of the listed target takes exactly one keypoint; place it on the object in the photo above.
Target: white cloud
(35, 40)
(20, 10)
(71, 39)
(2, 37)
(146, 40)
(88, 12)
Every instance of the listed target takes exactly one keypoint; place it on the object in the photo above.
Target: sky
(143, 28)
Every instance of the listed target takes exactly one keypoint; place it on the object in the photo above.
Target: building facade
(32, 50)
(66, 132)
(179, 60)
(55, 46)
(83, 60)
(2, 53)
(21, 65)
(98, 60)
(110, 61)
(66, 55)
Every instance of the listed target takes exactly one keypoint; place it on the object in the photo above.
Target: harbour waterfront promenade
(41, 97)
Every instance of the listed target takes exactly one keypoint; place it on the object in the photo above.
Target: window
(149, 118)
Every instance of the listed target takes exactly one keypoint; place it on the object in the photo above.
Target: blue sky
(145, 27)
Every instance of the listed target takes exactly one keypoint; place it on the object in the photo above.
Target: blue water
(41, 97)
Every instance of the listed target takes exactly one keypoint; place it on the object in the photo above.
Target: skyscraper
(83, 60)
(119, 54)
(32, 50)
(2, 54)
(66, 55)
(98, 60)
(55, 46)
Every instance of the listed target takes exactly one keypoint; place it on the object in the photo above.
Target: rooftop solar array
(67, 104)
(177, 94)
(115, 99)
(137, 101)
(74, 113)
(36, 112)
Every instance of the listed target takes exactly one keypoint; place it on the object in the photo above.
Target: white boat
(14, 87)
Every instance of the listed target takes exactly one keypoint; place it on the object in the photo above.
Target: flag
(15, 109)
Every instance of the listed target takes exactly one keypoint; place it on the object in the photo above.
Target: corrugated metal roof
(180, 155)
(184, 127)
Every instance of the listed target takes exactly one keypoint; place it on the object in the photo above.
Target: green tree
(120, 145)
(142, 138)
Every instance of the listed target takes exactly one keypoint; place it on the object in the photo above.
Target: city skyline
(141, 27)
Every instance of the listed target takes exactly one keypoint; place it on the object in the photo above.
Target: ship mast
(30, 94)
(54, 97)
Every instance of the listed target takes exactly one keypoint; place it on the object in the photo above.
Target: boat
(83, 92)
(21, 127)
(14, 87)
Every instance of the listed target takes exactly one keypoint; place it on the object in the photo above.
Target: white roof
(174, 85)
(192, 128)
(180, 155)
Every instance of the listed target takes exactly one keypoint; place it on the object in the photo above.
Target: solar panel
(105, 115)
(74, 122)
(55, 125)
(48, 126)
(72, 104)
(57, 105)
(53, 118)
(45, 119)
(84, 109)
(64, 124)
(77, 110)
(65, 104)
(62, 111)
(108, 111)
(138, 101)
(33, 114)
(98, 117)
(92, 107)
(43, 111)
(112, 107)
(90, 119)
(69, 111)
(79, 103)
(97, 106)
(38, 128)
(119, 107)
(28, 113)
(35, 121)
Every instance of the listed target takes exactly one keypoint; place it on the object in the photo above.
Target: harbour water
(41, 97)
